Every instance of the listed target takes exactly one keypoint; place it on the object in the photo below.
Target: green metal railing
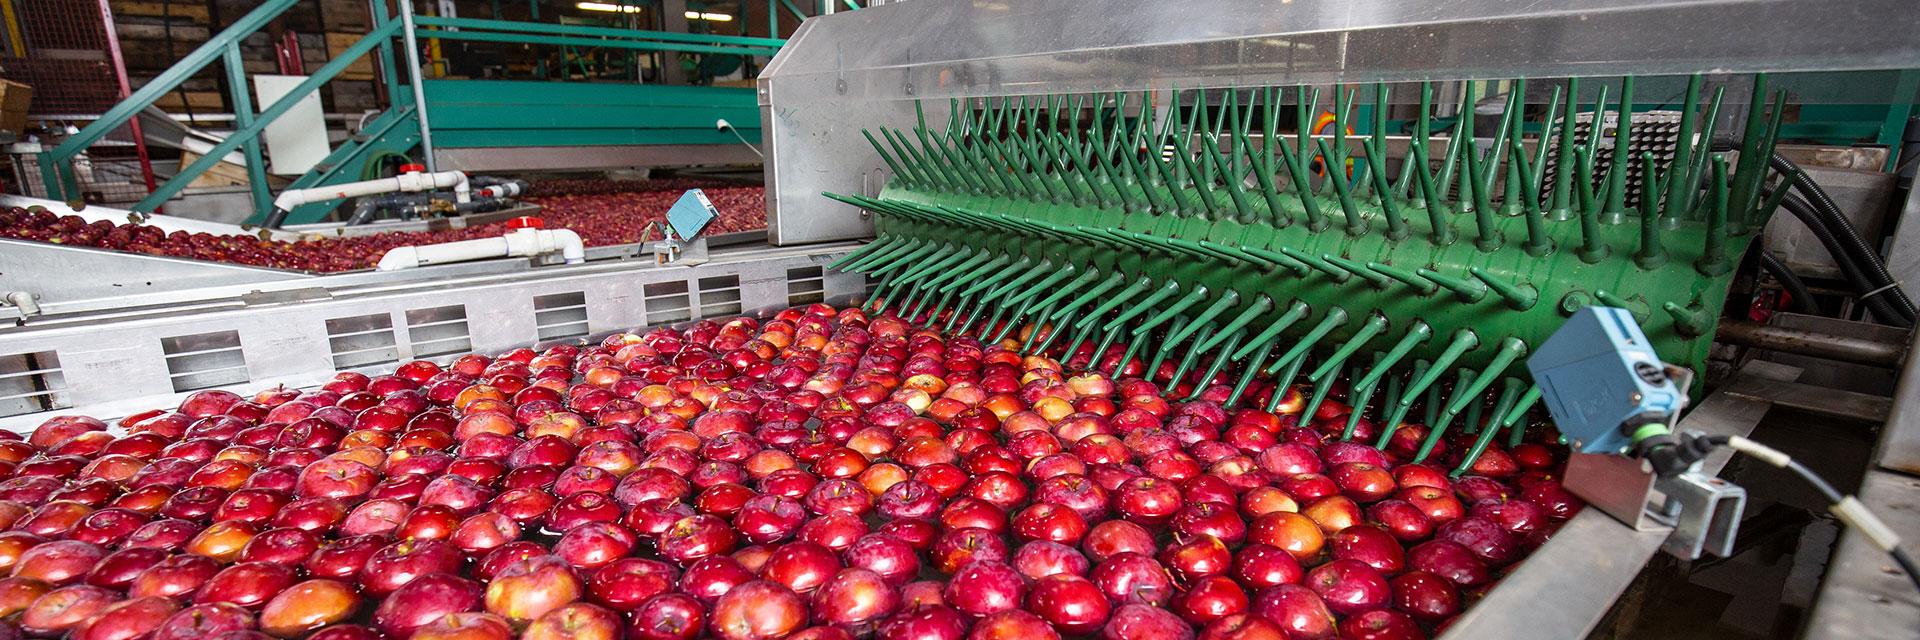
(56, 165)
(476, 30)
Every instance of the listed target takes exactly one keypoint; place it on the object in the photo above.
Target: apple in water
(309, 606)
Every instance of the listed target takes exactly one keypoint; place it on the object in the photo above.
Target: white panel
(298, 139)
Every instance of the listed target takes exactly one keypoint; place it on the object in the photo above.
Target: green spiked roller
(1206, 241)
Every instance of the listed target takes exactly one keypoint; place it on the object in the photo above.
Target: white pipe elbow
(572, 249)
(399, 258)
(525, 243)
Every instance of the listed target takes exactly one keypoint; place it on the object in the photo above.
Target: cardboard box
(361, 69)
(14, 99)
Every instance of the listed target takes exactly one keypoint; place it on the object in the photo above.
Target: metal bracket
(677, 252)
(1704, 512)
(1701, 512)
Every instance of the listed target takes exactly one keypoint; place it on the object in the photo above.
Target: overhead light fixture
(710, 17)
(609, 7)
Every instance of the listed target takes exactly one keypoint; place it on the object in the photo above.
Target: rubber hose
(275, 218)
(1849, 237)
(1849, 268)
(1790, 281)
(1881, 308)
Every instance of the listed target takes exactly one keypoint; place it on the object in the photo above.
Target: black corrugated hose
(1879, 305)
(1796, 288)
(1846, 239)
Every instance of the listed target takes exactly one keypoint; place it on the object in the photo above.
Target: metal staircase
(666, 118)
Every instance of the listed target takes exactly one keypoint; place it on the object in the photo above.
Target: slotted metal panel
(438, 331)
(719, 295)
(204, 360)
(667, 302)
(360, 341)
(560, 315)
(806, 285)
(31, 382)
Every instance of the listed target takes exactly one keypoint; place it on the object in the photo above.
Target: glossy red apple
(425, 599)
(528, 589)
(308, 606)
(758, 610)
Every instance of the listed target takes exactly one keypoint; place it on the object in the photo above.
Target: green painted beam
(498, 138)
(590, 31)
(509, 113)
(519, 38)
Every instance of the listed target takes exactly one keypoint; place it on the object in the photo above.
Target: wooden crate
(199, 101)
(361, 69)
(222, 174)
(14, 100)
(196, 13)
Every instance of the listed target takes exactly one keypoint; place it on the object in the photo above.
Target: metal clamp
(1701, 512)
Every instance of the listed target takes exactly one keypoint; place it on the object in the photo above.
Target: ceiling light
(710, 17)
(609, 7)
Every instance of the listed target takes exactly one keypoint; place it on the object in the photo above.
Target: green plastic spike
(1263, 340)
(1247, 374)
(1261, 304)
(1334, 319)
(1414, 337)
(1372, 327)
(1218, 364)
(1085, 326)
(1192, 298)
(1508, 395)
(1192, 356)
(1510, 350)
(1419, 284)
(1463, 341)
(1284, 382)
(1226, 301)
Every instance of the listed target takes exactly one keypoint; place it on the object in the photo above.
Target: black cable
(1791, 282)
(1849, 237)
(1882, 309)
(1905, 561)
(1826, 490)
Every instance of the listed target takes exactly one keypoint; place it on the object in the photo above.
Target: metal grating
(204, 360)
(667, 302)
(361, 341)
(720, 296)
(560, 315)
(806, 285)
(31, 383)
(1653, 131)
(438, 331)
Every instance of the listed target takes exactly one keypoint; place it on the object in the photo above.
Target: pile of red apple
(601, 219)
(547, 187)
(820, 474)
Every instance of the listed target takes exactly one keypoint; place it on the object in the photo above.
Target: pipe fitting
(517, 243)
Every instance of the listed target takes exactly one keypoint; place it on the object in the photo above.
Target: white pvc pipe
(502, 190)
(518, 243)
(406, 182)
